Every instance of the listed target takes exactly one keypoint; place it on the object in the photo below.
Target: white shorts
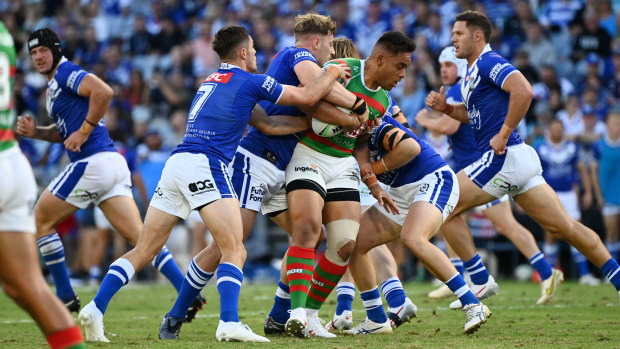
(190, 181)
(100, 219)
(325, 174)
(611, 210)
(513, 173)
(18, 192)
(439, 188)
(570, 201)
(93, 180)
(366, 198)
(258, 183)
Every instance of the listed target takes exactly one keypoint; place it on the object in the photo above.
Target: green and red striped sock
(70, 338)
(299, 266)
(324, 279)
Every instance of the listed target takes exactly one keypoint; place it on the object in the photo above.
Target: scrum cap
(46, 37)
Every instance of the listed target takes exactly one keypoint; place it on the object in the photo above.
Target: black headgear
(46, 37)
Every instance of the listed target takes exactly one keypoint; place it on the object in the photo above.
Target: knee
(562, 229)
(414, 243)
(345, 251)
(306, 231)
(341, 235)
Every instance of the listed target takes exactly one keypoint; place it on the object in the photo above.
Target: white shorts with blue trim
(18, 192)
(491, 204)
(190, 181)
(93, 179)
(258, 183)
(513, 173)
(439, 188)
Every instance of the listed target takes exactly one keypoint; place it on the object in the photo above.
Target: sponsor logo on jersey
(302, 54)
(268, 84)
(219, 77)
(474, 118)
(72, 77)
(497, 69)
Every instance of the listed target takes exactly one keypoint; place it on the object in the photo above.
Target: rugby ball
(324, 129)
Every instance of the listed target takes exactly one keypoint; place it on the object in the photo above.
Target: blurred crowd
(154, 53)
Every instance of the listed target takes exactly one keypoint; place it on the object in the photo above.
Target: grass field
(580, 317)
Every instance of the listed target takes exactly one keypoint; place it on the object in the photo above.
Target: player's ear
(243, 52)
(316, 42)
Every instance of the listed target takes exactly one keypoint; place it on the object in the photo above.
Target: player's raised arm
(315, 90)
(521, 94)
(437, 102)
(444, 125)
(276, 125)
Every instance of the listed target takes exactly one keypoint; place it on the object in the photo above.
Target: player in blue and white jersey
(425, 190)
(606, 171)
(496, 97)
(465, 152)
(196, 178)
(97, 173)
(563, 171)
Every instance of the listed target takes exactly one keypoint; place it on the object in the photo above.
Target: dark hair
(395, 42)
(228, 39)
(48, 38)
(313, 23)
(477, 20)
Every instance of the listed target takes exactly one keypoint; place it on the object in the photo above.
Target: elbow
(106, 93)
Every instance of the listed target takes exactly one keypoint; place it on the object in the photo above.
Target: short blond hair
(314, 23)
(344, 48)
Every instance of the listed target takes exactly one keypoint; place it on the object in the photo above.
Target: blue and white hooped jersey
(559, 164)
(486, 102)
(221, 110)
(607, 153)
(463, 143)
(279, 149)
(68, 110)
(426, 162)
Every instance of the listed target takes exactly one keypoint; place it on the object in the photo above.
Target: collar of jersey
(486, 49)
(362, 64)
(62, 60)
(228, 66)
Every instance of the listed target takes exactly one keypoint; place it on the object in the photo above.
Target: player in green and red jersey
(19, 260)
(322, 183)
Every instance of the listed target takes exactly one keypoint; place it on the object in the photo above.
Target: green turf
(580, 317)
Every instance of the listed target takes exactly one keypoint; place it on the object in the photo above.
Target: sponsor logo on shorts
(84, 195)
(159, 192)
(503, 184)
(200, 187)
(304, 169)
(424, 188)
(257, 193)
